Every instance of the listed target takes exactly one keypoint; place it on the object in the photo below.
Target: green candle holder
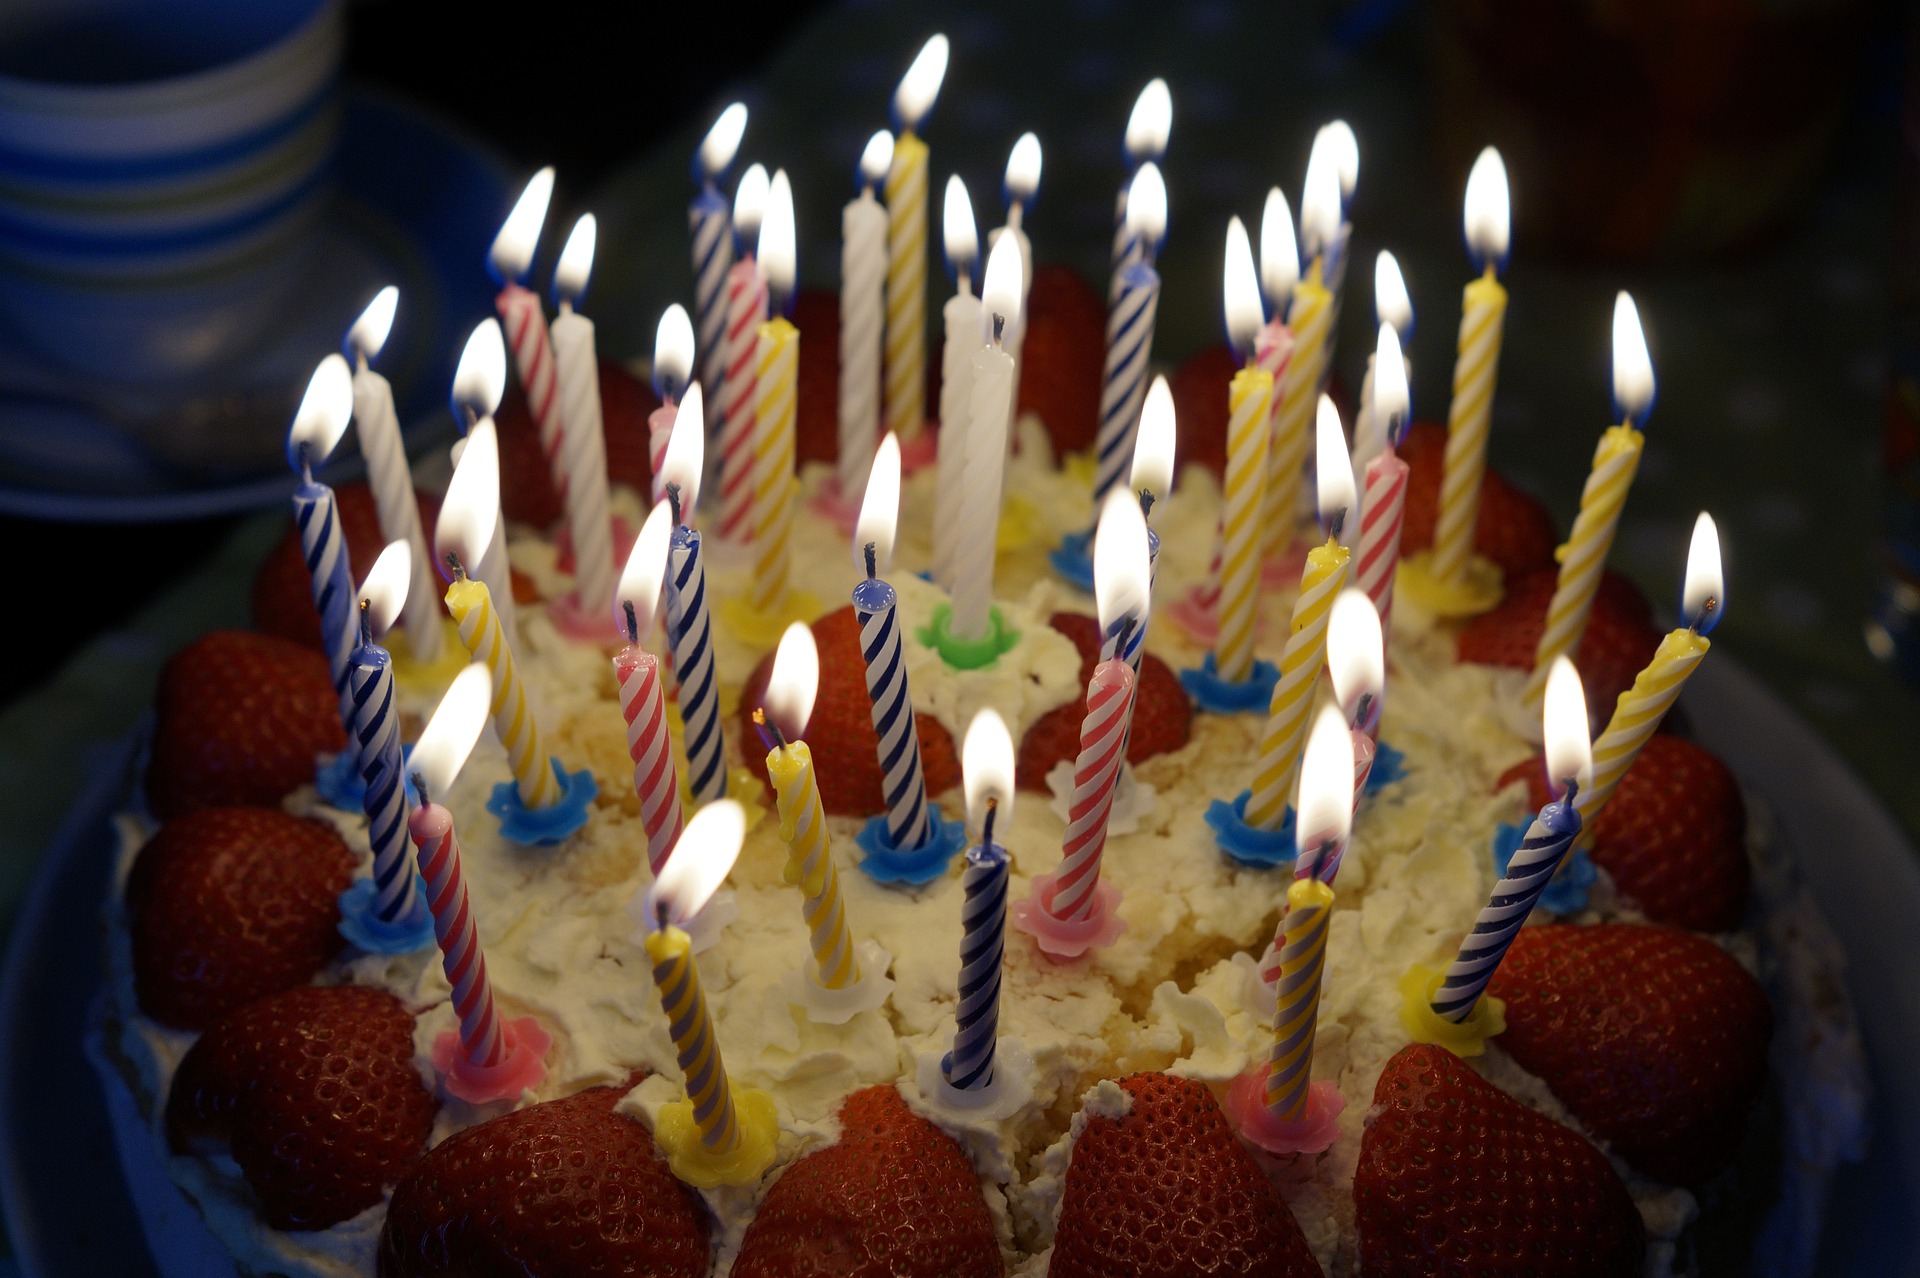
(968, 654)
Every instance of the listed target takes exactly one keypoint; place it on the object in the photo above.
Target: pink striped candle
(642, 702)
(746, 312)
(1095, 772)
(526, 327)
(672, 368)
(482, 1042)
(1382, 513)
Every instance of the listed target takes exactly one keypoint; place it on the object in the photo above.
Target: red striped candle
(746, 312)
(481, 1041)
(1103, 736)
(1382, 512)
(645, 707)
(525, 323)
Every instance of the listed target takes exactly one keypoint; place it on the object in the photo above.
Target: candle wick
(453, 563)
(872, 561)
(473, 418)
(999, 327)
(1707, 609)
(1363, 710)
(770, 734)
(986, 824)
(660, 914)
(306, 463)
(633, 621)
(366, 622)
(1570, 790)
(1146, 503)
(420, 788)
(673, 504)
(1335, 523)
(966, 280)
(1122, 631)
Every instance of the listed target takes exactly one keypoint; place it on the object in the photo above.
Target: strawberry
(1200, 405)
(1652, 1036)
(1617, 644)
(1673, 836)
(316, 1090)
(816, 428)
(841, 729)
(1167, 1192)
(1061, 357)
(282, 590)
(566, 1189)
(527, 494)
(1162, 715)
(895, 1198)
(229, 905)
(1458, 1178)
(1514, 530)
(240, 718)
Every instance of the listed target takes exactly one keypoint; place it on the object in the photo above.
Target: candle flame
(1632, 366)
(369, 333)
(1120, 572)
(700, 863)
(323, 414)
(1391, 400)
(1356, 651)
(1703, 600)
(1150, 122)
(722, 142)
(794, 681)
(512, 251)
(385, 589)
(1242, 290)
(921, 84)
(1023, 169)
(1000, 291)
(1153, 442)
(957, 228)
(1324, 813)
(571, 272)
(672, 352)
(750, 204)
(876, 158)
(1343, 149)
(1564, 722)
(986, 767)
(472, 504)
(1486, 209)
(686, 450)
(1320, 205)
(1334, 471)
(1147, 206)
(1391, 304)
(452, 731)
(480, 378)
(1279, 252)
(777, 240)
(879, 509)
(646, 570)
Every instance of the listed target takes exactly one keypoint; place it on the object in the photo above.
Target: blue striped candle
(690, 632)
(376, 733)
(710, 219)
(983, 921)
(1129, 343)
(905, 786)
(324, 547)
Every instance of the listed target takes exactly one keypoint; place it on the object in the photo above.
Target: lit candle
(317, 426)
(733, 399)
(1569, 765)
(636, 672)
(376, 735)
(1148, 126)
(1322, 576)
(1342, 149)
(689, 618)
(906, 390)
(1022, 183)
(583, 448)
(875, 604)
(992, 394)
(712, 232)
(1130, 333)
(986, 764)
(1615, 461)
(1391, 306)
(803, 821)
(1383, 502)
(526, 323)
(672, 368)
(1357, 667)
(775, 389)
(863, 281)
(718, 1135)
(1279, 276)
(478, 382)
(1249, 404)
(1310, 317)
(963, 341)
(1152, 478)
(1483, 312)
(487, 1058)
(1642, 707)
(388, 475)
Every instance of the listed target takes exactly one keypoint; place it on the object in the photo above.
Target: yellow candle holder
(1418, 985)
(1479, 589)
(757, 1122)
(762, 628)
(428, 678)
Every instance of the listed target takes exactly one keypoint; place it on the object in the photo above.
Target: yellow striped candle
(777, 365)
(1290, 708)
(1482, 320)
(473, 612)
(1303, 956)
(1310, 317)
(803, 825)
(708, 1089)
(1249, 398)
(906, 373)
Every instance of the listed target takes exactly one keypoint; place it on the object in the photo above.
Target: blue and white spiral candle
(324, 547)
(376, 734)
(710, 219)
(690, 632)
(983, 922)
(1124, 387)
(1528, 874)
(904, 783)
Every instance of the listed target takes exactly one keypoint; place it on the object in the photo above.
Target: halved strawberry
(1514, 529)
(894, 1198)
(1457, 1177)
(1616, 646)
(527, 494)
(566, 1189)
(1062, 355)
(1652, 1036)
(1162, 715)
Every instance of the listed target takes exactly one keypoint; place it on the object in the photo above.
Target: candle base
(542, 827)
(703, 930)
(1479, 589)
(1064, 940)
(1248, 844)
(825, 1006)
(522, 1069)
(1009, 1091)
(1224, 696)
(759, 628)
(1313, 1133)
(689, 1158)
(1389, 765)
(835, 505)
(1566, 892)
(1072, 560)
(912, 867)
(1463, 1038)
(428, 678)
(339, 783)
(967, 654)
(371, 934)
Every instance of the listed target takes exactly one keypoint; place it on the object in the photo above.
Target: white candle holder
(825, 1006)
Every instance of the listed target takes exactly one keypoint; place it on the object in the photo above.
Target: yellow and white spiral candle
(1290, 708)
(906, 189)
(472, 607)
(777, 364)
(1303, 959)
(803, 825)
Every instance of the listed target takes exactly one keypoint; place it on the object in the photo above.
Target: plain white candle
(963, 341)
(583, 447)
(991, 399)
(863, 278)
